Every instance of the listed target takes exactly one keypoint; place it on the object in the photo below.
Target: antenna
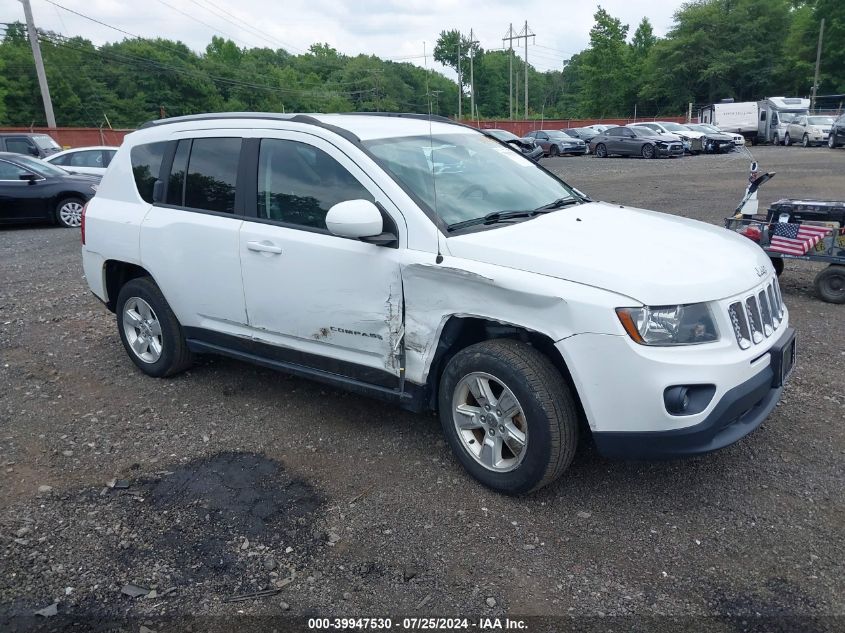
(439, 258)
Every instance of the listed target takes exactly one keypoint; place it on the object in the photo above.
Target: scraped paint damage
(435, 293)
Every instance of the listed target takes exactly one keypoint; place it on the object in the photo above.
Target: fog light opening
(676, 400)
(688, 399)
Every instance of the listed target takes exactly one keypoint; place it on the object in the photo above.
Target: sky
(403, 30)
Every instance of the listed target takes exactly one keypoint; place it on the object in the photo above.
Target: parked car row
(649, 139)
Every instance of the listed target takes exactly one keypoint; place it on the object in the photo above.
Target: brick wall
(75, 136)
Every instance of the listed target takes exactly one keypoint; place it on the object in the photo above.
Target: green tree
(606, 66)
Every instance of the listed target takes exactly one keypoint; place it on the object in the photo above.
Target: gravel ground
(232, 479)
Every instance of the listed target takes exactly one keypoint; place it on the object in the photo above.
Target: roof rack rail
(268, 116)
(210, 116)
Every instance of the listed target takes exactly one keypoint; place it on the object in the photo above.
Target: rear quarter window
(146, 166)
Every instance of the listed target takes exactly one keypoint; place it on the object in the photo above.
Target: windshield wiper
(492, 218)
(503, 216)
(557, 204)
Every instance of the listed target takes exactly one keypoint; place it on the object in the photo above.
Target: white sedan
(84, 160)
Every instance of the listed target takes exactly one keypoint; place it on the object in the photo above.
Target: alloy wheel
(490, 422)
(70, 213)
(142, 329)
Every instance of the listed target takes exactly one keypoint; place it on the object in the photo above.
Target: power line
(267, 37)
(197, 20)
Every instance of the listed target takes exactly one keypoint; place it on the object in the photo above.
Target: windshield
(39, 166)
(45, 142)
(820, 120)
(786, 117)
(502, 135)
(482, 176)
(674, 127)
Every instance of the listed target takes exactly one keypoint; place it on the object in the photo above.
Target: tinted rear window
(212, 173)
(146, 165)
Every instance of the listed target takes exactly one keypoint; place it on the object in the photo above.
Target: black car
(525, 145)
(34, 191)
(38, 145)
(837, 133)
(631, 141)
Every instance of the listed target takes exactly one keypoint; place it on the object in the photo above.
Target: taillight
(82, 224)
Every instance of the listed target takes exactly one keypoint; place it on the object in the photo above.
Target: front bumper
(577, 149)
(623, 397)
(671, 150)
(738, 413)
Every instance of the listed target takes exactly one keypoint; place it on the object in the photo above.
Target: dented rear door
(337, 302)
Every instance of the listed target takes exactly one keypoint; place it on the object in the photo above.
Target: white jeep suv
(420, 261)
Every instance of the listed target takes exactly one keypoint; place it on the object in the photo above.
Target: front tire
(830, 284)
(69, 212)
(805, 141)
(508, 415)
(647, 151)
(786, 140)
(149, 330)
(554, 151)
(831, 141)
(601, 151)
(777, 264)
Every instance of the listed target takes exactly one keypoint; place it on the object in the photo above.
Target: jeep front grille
(757, 316)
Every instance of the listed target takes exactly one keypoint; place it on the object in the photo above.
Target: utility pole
(460, 85)
(818, 62)
(516, 102)
(510, 37)
(39, 64)
(524, 33)
(472, 44)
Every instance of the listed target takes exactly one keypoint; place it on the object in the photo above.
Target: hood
(655, 258)
(665, 138)
(721, 136)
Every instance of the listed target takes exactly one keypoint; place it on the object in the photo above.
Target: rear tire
(149, 330)
(831, 141)
(775, 140)
(542, 426)
(601, 151)
(69, 212)
(830, 284)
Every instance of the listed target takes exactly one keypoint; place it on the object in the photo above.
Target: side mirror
(354, 218)
(29, 177)
(33, 150)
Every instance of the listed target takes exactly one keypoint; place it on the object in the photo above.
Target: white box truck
(738, 118)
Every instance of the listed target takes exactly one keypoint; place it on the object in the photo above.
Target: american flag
(796, 239)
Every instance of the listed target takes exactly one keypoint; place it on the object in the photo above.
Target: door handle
(264, 247)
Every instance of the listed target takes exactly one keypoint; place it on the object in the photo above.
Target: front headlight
(689, 324)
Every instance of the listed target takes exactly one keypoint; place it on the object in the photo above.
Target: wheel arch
(459, 332)
(115, 274)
